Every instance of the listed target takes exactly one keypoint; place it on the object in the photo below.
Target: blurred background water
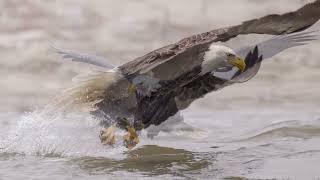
(266, 128)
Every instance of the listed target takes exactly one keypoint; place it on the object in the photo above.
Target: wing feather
(271, 24)
(269, 48)
(277, 44)
(84, 58)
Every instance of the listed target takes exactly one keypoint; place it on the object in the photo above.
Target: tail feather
(88, 90)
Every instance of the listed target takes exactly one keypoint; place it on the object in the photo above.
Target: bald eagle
(152, 88)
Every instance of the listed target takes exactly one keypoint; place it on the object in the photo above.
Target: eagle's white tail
(88, 89)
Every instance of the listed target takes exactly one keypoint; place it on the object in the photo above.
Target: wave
(293, 128)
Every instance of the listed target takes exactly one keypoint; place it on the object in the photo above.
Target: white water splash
(48, 133)
(53, 131)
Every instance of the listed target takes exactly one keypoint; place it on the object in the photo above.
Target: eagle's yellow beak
(132, 89)
(238, 62)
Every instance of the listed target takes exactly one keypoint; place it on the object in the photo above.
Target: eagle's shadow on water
(150, 160)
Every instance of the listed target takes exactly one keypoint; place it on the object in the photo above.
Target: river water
(266, 128)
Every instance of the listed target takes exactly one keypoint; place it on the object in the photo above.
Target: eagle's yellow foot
(131, 139)
(107, 136)
(132, 89)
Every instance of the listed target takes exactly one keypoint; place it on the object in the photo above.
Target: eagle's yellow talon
(131, 139)
(107, 136)
(132, 89)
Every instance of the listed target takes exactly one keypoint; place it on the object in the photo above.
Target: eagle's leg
(107, 135)
(131, 139)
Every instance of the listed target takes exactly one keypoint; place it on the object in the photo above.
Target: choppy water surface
(222, 144)
(266, 128)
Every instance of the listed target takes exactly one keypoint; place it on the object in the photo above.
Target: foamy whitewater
(266, 128)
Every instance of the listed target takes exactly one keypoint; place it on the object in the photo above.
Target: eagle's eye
(230, 55)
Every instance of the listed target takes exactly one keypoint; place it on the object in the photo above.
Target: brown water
(266, 128)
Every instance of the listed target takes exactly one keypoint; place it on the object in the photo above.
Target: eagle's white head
(220, 57)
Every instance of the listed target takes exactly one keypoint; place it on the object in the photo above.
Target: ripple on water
(150, 160)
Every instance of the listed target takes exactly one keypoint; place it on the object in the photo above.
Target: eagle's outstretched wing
(271, 24)
(180, 57)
